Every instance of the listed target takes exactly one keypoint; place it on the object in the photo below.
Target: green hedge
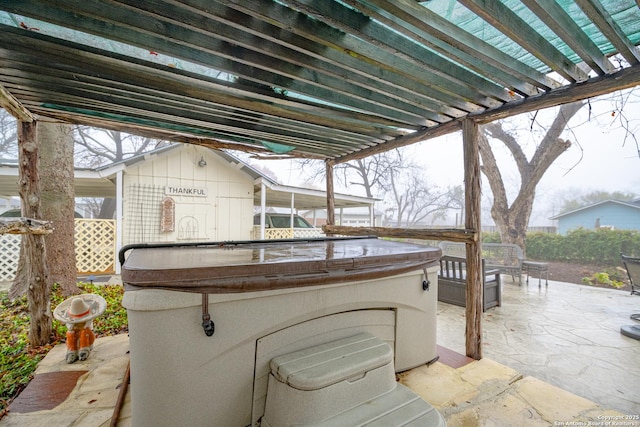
(602, 246)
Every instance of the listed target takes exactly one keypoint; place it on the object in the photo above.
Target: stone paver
(486, 393)
(92, 400)
(565, 334)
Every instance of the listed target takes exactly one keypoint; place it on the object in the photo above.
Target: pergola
(335, 80)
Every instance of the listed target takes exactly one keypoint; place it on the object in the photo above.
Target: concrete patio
(553, 355)
(565, 334)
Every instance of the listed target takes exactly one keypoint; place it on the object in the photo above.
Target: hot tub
(264, 299)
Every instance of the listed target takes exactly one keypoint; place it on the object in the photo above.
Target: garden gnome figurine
(78, 313)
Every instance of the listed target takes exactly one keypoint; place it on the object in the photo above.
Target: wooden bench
(452, 280)
(504, 257)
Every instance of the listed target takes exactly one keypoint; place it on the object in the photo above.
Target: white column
(119, 195)
(293, 199)
(371, 217)
(263, 208)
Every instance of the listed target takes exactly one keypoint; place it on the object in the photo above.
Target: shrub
(604, 279)
(18, 360)
(601, 246)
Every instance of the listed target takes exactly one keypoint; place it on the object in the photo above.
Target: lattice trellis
(273, 233)
(144, 214)
(95, 245)
(9, 255)
(286, 233)
(301, 233)
(278, 233)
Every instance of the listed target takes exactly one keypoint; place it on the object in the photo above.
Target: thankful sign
(185, 191)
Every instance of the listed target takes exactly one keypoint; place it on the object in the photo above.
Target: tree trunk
(34, 273)
(512, 221)
(107, 208)
(58, 204)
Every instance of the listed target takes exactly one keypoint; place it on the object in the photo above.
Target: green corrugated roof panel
(625, 12)
(108, 45)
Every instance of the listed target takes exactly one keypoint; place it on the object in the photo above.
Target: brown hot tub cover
(250, 266)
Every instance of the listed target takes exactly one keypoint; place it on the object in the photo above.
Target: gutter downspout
(263, 207)
(119, 195)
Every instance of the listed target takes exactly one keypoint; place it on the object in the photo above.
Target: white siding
(226, 213)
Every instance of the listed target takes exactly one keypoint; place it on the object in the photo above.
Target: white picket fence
(286, 233)
(95, 241)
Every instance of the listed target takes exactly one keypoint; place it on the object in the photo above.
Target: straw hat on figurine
(80, 308)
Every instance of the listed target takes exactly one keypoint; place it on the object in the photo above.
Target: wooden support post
(33, 245)
(331, 203)
(474, 256)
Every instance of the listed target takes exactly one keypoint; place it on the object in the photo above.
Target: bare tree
(400, 180)
(97, 147)
(512, 219)
(8, 135)
(415, 200)
(371, 173)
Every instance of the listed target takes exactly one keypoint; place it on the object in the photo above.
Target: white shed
(186, 193)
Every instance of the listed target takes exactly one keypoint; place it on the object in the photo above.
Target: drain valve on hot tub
(207, 323)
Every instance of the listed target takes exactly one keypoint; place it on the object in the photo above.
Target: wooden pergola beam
(14, 107)
(449, 234)
(25, 226)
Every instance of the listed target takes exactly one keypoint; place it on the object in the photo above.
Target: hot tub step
(400, 407)
(347, 359)
(348, 382)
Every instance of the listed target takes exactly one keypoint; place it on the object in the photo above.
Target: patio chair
(632, 265)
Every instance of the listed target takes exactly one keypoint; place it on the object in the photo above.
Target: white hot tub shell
(306, 293)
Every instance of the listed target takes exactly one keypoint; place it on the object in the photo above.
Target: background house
(613, 214)
(353, 217)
